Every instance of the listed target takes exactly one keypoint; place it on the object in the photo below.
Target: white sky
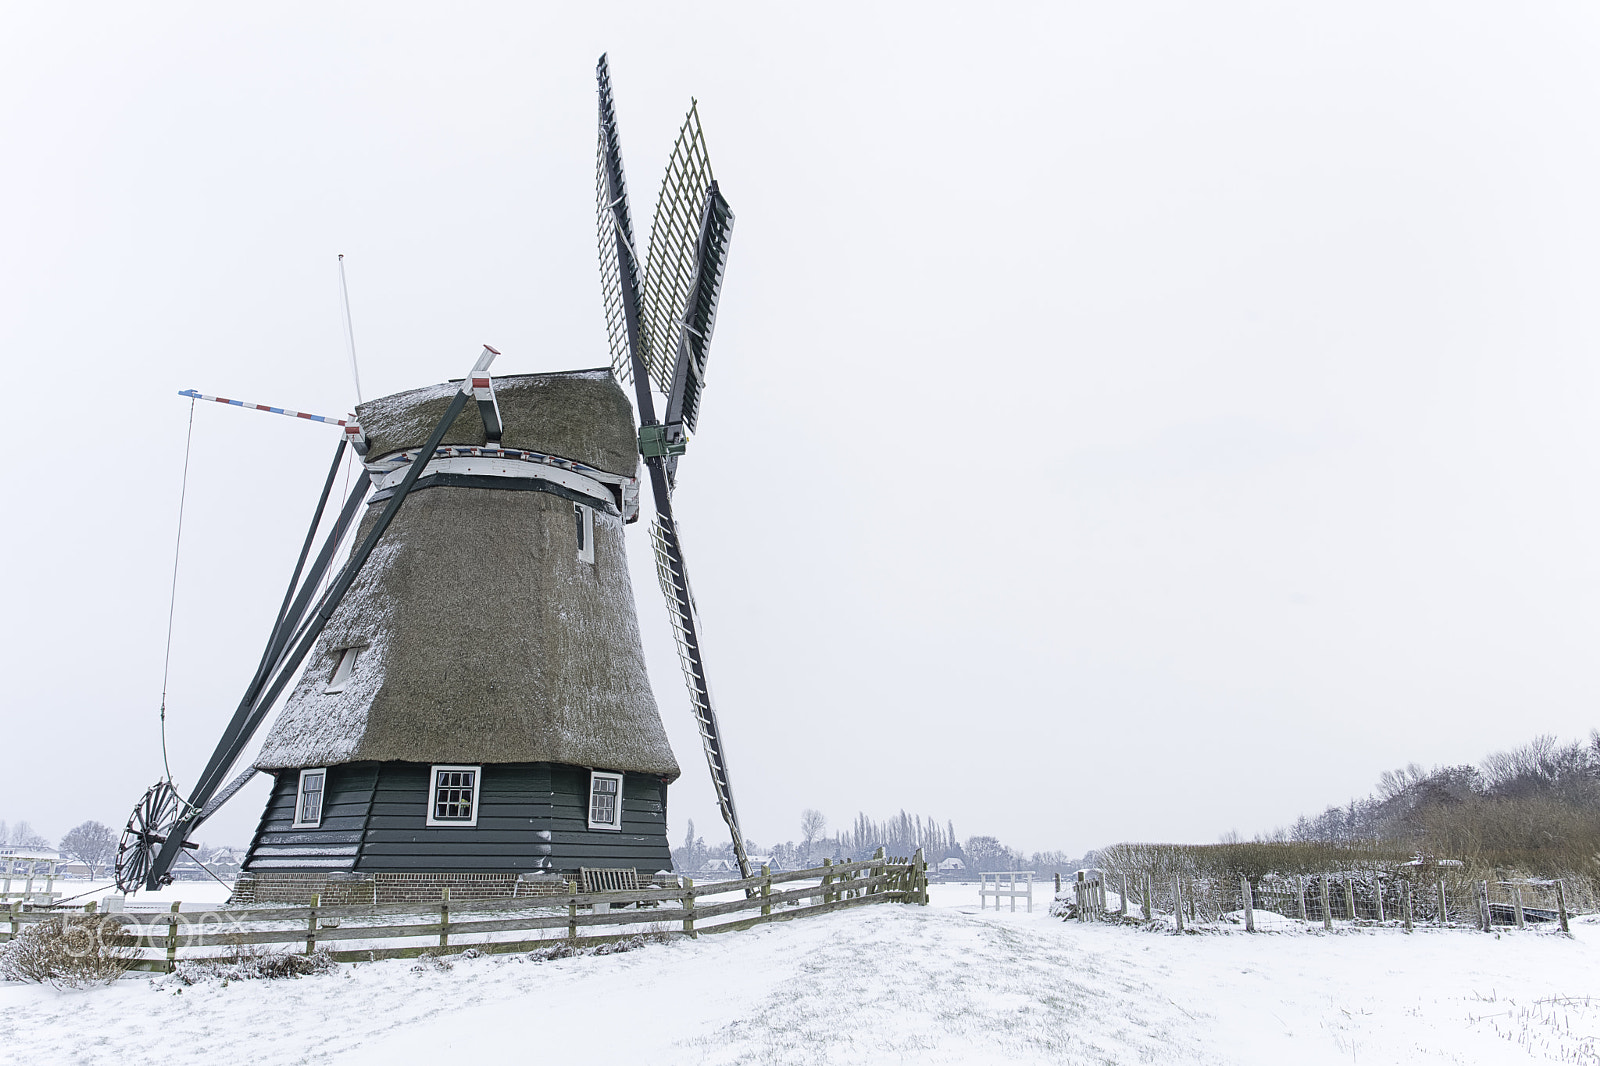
(1129, 421)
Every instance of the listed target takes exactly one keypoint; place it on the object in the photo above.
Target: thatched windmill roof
(484, 638)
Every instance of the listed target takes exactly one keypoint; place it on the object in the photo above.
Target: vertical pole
(311, 922)
(1561, 907)
(1058, 882)
(1078, 897)
(827, 879)
(1444, 905)
(1249, 911)
(766, 889)
(1149, 885)
(688, 907)
(1516, 905)
(1350, 896)
(1485, 915)
(172, 938)
(1122, 903)
(1300, 898)
(572, 911)
(444, 917)
(1177, 900)
(919, 878)
(1327, 910)
(16, 920)
(1377, 894)
(1405, 904)
(1193, 918)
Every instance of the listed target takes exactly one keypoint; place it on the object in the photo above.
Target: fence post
(1177, 899)
(572, 910)
(766, 889)
(1149, 885)
(1516, 903)
(1249, 909)
(16, 920)
(1377, 894)
(172, 938)
(1444, 905)
(1122, 901)
(1193, 916)
(1350, 896)
(311, 923)
(919, 878)
(1058, 882)
(1300, 898)
(444, 917)
(1561, 907)
(688, 907)
(1485, 915)
(1405, 904)
(1327, 909)
(827, 880)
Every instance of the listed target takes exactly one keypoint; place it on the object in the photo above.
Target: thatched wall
(484, 637)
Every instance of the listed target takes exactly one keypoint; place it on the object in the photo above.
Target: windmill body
(472, 707)
(477, 709)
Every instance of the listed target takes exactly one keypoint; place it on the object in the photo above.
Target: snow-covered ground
(887, 983)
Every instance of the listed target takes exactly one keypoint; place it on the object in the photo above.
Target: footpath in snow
(880, 984)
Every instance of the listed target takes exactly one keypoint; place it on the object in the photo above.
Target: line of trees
(1534, 809)
(900, 834)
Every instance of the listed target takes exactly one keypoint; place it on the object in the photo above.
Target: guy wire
(172, 601)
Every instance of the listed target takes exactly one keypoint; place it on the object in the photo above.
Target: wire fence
(1416, 893)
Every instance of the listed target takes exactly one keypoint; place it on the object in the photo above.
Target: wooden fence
(367, 932)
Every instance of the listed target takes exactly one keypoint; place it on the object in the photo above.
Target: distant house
(21, 868)
(951, 865)
(719, 866)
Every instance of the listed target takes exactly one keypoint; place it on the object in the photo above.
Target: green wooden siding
(532, 817)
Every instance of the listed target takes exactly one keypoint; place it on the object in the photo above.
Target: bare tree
(22, 835)
(812, 824)
(92, 844)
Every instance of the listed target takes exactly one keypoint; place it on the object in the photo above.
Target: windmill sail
(674, 241)
(620, 268)
(699, 314)
(674, 235)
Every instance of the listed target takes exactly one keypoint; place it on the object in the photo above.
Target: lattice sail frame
(674, 581)
(674, 234)
(610, 278)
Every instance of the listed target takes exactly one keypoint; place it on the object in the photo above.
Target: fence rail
(363, 933)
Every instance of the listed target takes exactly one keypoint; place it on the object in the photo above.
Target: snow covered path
(889, 983)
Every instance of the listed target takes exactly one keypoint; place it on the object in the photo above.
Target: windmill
(473, 705)
(659, 316)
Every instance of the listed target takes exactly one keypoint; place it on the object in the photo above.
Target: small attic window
(584, 516)
(605, 800)
(341, 672)
(308, 801)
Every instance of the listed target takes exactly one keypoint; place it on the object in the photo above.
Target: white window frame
(300, 799)
(343, 669)
(433, 797)
(585, 531)
(596, 775)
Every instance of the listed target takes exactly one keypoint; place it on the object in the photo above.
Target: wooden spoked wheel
(152, 819)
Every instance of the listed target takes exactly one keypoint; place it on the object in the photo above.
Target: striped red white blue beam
(193, 395)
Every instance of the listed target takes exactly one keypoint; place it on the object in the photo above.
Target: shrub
(70, 951)
(254, 966)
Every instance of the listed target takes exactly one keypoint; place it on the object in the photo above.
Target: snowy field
(880, 984)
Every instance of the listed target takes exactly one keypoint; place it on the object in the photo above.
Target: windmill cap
(583, 415)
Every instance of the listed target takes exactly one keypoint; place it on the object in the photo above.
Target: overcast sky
(1125, 421)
